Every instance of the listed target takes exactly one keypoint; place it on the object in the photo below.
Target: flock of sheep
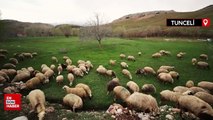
(196, 99)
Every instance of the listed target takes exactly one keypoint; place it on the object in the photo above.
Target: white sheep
(167, 95)
(4, 75)
(68, 61)
(9, 73)
(133, 86)
(149, 70)
(197, 89)
(65, 58)
(204, 56)
(142, 102)
(197, 106)
(121, 92)
(60, 69)
(13, 61)
(9, 66)
(60, 79)
(101, 69)
(83, 68)
(189, 83)
(110, 73)
(131, 58)
(73, 101)
(112, 84)
(127, 73)
(124, 65)
(31, 83)
(77, 91)
(27, 55)
(78, 72)
(167, 67)
(52, 67)
(203, 65)
(41, 77)
(174, 74)
(122, 56)
(205, 97)
(89, 65)
(162, 71)
(156, 55)
(86, 88)
(81, 62)
(139, 53)
(180, 89)
(206, 85)
(112, 62)
(2, 56)
(54, 59)
(165, 77)
(22, 76)
(148, 89)
(70, 78)
(194, 61)
(37, 101)
(70, 68)
(48, 74)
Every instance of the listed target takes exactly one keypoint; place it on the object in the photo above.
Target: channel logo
(205, 22)
(12, 101)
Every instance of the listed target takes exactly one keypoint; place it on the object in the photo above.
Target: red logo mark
(12, 101)
(206, 22)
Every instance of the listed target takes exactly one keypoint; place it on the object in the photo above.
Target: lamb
(131, 58)
(9, 66)
(142, 102)
(77, 91)
(78, 72)
(174, 74)
(148, 89)
(70, 78)
(37, 101)
(86, 88)
(205, 97)
(124, 65)
(197, 106)
(181, 54)
(204, 56)
(180, 89)
(101, 69)
(27, 55)
(68, 61)
(111, 85)
(133, 86)
(120, 93)
(194, 61)
(110, 73)
(156, 55)
(127, 73)
(59, 79)
(13, 61)
(206, 85)
(139, 53)
(34, 54)
(165, 77)
(167, 95)
(112, 62)
(167, 67)
(60, 69)
(54, 59)
(122, 56)
(73, 101)
(203, 65)
(190, 83)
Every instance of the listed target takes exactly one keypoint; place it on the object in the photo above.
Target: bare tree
(95, 29)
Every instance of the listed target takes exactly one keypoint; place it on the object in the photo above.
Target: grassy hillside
(111, 48)
(154, 24)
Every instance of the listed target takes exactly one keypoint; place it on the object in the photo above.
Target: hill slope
(154, 24)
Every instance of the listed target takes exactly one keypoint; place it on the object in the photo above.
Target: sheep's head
(65, 87)
(140, 71)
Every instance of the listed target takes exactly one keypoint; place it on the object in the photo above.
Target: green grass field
(111, 49)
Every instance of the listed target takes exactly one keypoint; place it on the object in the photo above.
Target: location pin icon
(205, 22)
